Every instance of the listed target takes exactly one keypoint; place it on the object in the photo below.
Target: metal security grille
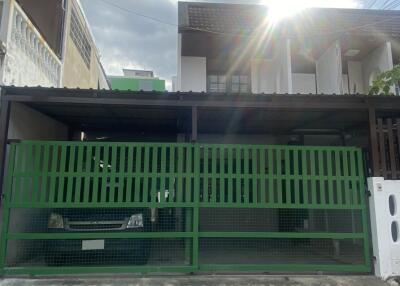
(74, 207)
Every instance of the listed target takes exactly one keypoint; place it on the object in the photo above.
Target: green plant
(385, 81)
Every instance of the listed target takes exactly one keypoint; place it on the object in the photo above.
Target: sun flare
(281, 9)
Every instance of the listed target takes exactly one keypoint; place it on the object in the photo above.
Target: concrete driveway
(200, 280)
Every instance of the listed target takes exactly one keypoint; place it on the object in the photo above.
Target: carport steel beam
(189, 100)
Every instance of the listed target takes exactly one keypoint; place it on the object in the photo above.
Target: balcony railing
(29, 59)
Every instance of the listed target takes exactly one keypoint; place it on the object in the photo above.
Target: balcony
(29, 59)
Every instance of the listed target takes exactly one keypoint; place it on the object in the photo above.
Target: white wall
(285, 68)
(264, 76)
(304, 83)
(329, 70)
(378, 61)
(356, 82)
(275, 74)
(29, 124)
(178, 71)
(386, 249)
(193, 74)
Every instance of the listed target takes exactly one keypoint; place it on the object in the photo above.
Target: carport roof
(168, 112)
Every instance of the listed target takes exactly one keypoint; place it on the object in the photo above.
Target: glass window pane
(222, 79)
(235, 79)
(243, 79)
(235, 87)
(213, 78)
(243, 88)
(222, 87)
(213, 87)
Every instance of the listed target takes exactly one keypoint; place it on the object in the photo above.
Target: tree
(385, 81)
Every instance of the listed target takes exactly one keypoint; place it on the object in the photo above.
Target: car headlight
(135, 221)
(55, 221)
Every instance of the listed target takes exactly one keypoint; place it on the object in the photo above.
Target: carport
(227, 182)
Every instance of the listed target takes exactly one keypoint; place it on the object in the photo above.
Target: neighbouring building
(48, 43)
(136, 80)
(236, 48)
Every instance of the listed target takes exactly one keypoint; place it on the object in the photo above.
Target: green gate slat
(296, 174)
(271, 195)
(180, 161)
(138, 174)
(154, 165)
(214, 175)
(346, 176)
(330, 177)
(163, 171)
(88, 175)
(338, 178)
(35, 178)
(354, 178)
(172, 170)
(305, 176)
(321, 173)
(246, 189)
(206, 176)
(254, 177)
(105, 175)
(238, 175)
(17, 194)
(70, 176)
(187, 191)
(230, 175)
(146, 174)
(279, 189)
(313, 179)
(129, 176)
(79, 171)
(45, 170)
(96, 197)
(222, 175)
(122, 175)
(263, 176)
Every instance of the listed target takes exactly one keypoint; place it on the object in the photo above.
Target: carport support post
(373, 141)
(4, 122)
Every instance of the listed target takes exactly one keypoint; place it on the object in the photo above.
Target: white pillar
(285, 72)
(329, 70)
(380, 60)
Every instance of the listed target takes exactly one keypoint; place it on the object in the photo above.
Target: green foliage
(385, 81)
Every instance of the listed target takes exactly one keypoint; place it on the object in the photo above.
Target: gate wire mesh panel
(171, 205)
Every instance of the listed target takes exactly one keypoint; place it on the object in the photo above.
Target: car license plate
(92, 244)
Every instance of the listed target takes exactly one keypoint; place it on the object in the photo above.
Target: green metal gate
(215, 207)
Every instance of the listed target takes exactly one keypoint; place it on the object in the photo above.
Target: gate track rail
(66, 175)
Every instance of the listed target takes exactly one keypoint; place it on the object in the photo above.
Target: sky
(126, 40)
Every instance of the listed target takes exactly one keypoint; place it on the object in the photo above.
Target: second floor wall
(339, 66)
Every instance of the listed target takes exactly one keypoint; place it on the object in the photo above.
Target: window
(217, 83)
(222, 83)
(240, 83)
(79, 38)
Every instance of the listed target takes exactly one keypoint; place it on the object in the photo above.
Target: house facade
(226, 174)
(238, 49)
